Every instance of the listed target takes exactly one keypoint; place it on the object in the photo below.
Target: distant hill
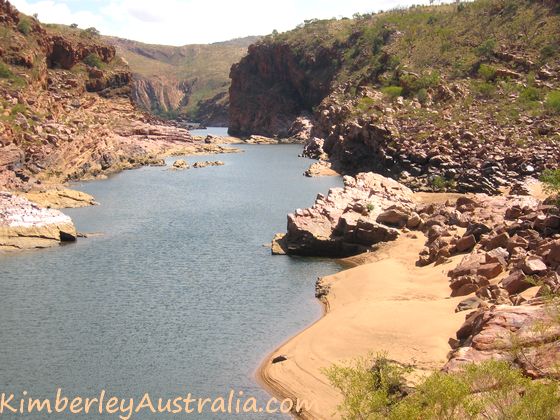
(191, 81)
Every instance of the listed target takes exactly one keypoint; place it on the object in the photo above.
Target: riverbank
(386, 303)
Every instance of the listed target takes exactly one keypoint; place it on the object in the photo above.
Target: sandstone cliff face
(273, 85)
(188, 82)
(63, 120)
(159, 94)
(384, 99)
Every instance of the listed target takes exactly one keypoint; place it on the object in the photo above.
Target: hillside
(66, 112)
(190, 81)
(461, 97)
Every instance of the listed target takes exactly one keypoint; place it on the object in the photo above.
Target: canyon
(439, 131)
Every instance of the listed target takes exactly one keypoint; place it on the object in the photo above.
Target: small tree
(91, 32)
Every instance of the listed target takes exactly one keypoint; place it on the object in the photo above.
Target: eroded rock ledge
(24, 225)
(368, 210)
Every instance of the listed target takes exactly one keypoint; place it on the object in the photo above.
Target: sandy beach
(385, 304)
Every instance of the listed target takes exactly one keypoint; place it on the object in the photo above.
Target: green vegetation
(90, 33)
(365, 104)
(24, 26)
(392, 92)
(439, 183)
(93, 60)
(487, 72)
(5, 72)
(551, 180)
(553, 101)
(496, 390)
(486, 49)
(18, 109)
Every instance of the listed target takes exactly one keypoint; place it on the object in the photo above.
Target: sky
(180, 22)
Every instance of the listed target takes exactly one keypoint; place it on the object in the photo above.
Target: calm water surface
(214, 131)
(178, 295)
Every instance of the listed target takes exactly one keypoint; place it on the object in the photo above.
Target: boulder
(180, 164)
(466, 243)
(533, 265)
(345, 222)
(516, 282)
(502, 331)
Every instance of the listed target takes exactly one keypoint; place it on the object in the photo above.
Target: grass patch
(553, 101)
(392, 92)
(24, 26)
(551, 180)
(5, 72)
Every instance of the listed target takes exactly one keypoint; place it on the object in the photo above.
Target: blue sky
(179, 22)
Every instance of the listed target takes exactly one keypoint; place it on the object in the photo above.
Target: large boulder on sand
(24, 225)
(369, 209)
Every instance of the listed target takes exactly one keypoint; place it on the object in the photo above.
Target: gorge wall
(66, 111)
(188, 82)
(274, 84)
(422, 95)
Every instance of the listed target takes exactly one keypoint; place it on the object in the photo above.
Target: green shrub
(18, 109)
(422, 96)
(365, 104)
(93, 60)
(5, 72)
(530, 95)
(439, 183)
(370, 388)
(553, 101)
(90, 33)
(489, 390)
(412, 84)
(484, 89)
(548, 51)
(392, 92)
(551, 180)
(24, 26)
(486, 49)
(487, 72)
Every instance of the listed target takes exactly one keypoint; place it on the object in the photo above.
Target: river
(177, 294)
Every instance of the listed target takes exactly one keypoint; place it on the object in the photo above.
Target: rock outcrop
(377, 104)
(68, 115)
(350, 220)
(24, 225)
(526, 335)
(273, 85)
(206, 163)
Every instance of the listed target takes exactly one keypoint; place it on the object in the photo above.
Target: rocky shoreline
(25, 225)
(497, 256)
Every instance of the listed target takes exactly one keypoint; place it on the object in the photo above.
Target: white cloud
(179, 22)
(58, 12)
